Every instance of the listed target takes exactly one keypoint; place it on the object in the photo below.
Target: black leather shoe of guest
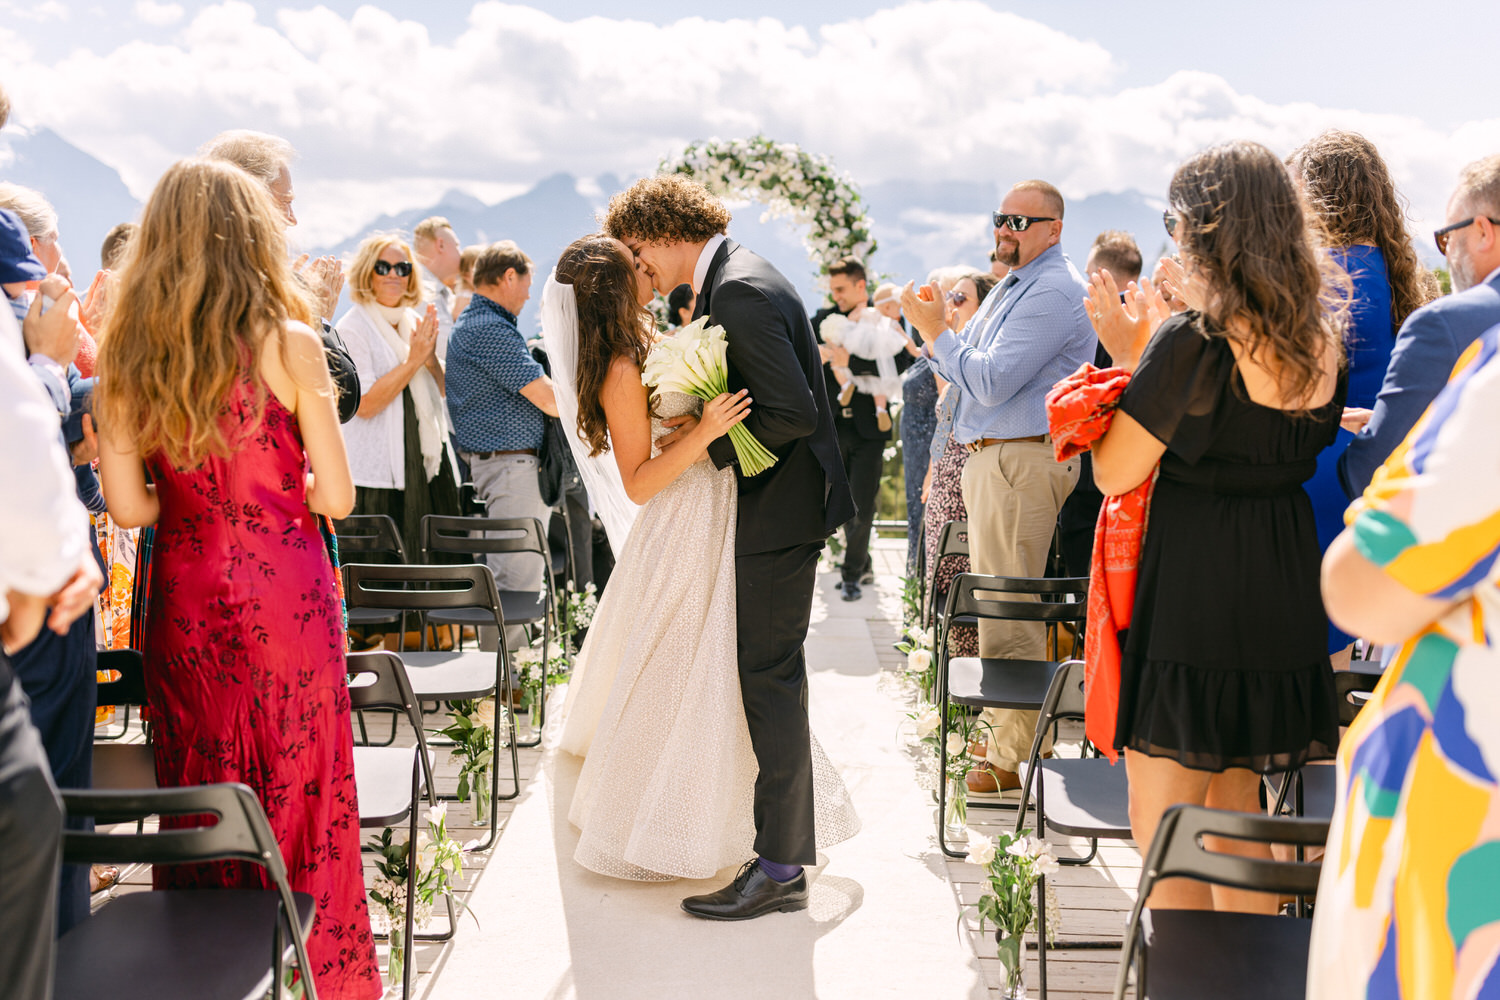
(751, 894)
(851, 590)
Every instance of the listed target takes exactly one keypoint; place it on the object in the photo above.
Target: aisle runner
(881, 919)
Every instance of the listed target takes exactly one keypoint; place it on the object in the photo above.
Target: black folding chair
(1311, 790)
(183, 943)
(1076, 797)
(369, 538)
(388, 778)
(998, 682)
(953, 541)
(450, 676)
(481, 536)
(123, 766)
(1190, 954)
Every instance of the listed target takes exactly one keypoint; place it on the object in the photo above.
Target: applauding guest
(1224, 671)
(403, 465)
(244, 642)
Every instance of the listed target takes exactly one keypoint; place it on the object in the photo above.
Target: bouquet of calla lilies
(695, 360)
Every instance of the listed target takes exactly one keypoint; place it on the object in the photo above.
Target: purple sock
(780, 873)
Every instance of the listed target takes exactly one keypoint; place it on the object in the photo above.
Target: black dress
(1226, 662)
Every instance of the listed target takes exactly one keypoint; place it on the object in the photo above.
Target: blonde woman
(398, 440)
(211, 380)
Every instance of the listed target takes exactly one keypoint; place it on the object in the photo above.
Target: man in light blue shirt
(1030, 332)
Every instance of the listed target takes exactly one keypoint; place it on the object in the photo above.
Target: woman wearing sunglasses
(398, 440)
(1224, 672)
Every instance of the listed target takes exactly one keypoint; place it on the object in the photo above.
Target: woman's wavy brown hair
(1354, 200)
(205, 283)
(611, 324)
(1242, 225)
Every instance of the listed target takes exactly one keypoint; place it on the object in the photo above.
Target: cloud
(158, 14)
(48, 10)
(919, 91)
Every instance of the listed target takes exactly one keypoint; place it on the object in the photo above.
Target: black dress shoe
(751, 894)
(851, 590)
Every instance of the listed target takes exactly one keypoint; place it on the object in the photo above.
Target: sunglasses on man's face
(1440, 236)
(1019, 223)
(402, 268)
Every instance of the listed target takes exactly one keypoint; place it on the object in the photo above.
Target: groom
(676, 230)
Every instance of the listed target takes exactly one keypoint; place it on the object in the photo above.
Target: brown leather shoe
(989, 779)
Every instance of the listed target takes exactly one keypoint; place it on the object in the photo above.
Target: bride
(654, 707)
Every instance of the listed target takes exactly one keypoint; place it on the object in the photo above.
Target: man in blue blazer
(1433, 337)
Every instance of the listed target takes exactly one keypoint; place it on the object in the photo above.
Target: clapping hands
(424, 337)
(1124, 323)
(325, 276)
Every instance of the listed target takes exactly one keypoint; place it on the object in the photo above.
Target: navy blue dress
(918, 422)
(1371, 337)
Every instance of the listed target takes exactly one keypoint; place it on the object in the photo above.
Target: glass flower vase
(956, 815)
(1011, 950)
(479, 796)
(395, 960)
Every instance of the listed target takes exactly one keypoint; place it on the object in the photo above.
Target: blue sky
(390, 104)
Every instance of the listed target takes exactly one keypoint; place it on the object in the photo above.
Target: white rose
(927, 723)
(918, 660)
(956, 744)
(485, 713)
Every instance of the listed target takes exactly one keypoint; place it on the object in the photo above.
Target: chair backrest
(1348, 684)
(422, 588)
(242, 833)
(1064, 699)
(369, 535)
(130, 687)
(441, 533)
(972, 596)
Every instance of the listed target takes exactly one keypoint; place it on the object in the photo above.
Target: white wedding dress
(654, 705)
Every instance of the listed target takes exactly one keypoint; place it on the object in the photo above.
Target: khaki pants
(1013, 492)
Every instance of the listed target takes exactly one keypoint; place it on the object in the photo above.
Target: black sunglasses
(1169, 219)
(1440, 236)
(957, 298)
(1019, 223)
(402, 268)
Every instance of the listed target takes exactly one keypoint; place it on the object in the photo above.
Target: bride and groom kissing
(688, 700)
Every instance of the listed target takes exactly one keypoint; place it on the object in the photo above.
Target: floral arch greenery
(791, 183)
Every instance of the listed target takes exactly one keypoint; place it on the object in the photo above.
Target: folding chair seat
(447, 676)
(224, 943)
(1312, 789)
(122, 766)
(362, 538)
(388, 778)
(1198, 953)
(481, 536)
(997, 682)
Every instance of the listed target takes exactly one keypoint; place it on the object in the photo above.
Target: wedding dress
(654, 707)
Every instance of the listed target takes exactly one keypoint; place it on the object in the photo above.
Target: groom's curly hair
(667, 208)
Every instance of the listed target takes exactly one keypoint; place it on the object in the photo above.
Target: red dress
(246, 681)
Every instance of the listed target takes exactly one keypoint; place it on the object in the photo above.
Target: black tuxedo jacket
(804, 497)
(860, 413)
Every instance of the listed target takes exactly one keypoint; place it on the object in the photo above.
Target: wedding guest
(498, 398)
(680, 305)
(464, 291)
(441, 257)
(1359, 218)
(115, 242)
(245, 642)
(1432, 338)
(998, 267)
(918, 421)
(40, 219)
(1224, 675)
(1406, 901)
(1031, 332)
(398, 439)
(1116, 252)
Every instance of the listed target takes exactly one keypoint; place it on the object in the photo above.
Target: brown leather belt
(497, 454)
(974, 446)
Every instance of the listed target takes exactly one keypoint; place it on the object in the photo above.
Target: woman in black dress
(1224, 672)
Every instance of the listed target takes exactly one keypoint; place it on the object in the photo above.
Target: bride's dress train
(654, 708)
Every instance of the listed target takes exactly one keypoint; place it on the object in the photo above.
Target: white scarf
(396, 325)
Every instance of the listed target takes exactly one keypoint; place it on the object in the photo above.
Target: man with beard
(1030, 332)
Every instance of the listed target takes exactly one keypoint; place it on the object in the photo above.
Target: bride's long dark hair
(611, 324)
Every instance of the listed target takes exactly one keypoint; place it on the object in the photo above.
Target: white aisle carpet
(881, 920)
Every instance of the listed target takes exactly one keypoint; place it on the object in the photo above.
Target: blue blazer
(1426, 350)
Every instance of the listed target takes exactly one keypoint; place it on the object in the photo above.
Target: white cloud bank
(943, 90)
(158, 14)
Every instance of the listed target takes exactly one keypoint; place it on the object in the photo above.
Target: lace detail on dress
(654, 707)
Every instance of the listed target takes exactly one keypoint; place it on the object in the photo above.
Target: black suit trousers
(864, 460)
(774, 604)
(31, 821)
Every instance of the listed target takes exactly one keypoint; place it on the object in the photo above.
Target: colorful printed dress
(245, 676)
(1409, 902)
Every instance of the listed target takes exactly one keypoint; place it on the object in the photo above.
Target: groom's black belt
(496, 454)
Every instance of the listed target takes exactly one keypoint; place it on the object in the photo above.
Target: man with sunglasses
(1030, 332)
(1432, 338)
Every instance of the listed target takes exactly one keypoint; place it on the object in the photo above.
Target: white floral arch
(791, 183)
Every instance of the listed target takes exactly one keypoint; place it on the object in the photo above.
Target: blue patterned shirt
(488, 366)
(1029, 333)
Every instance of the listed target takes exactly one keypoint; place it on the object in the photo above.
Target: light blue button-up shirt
(1028, 334)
